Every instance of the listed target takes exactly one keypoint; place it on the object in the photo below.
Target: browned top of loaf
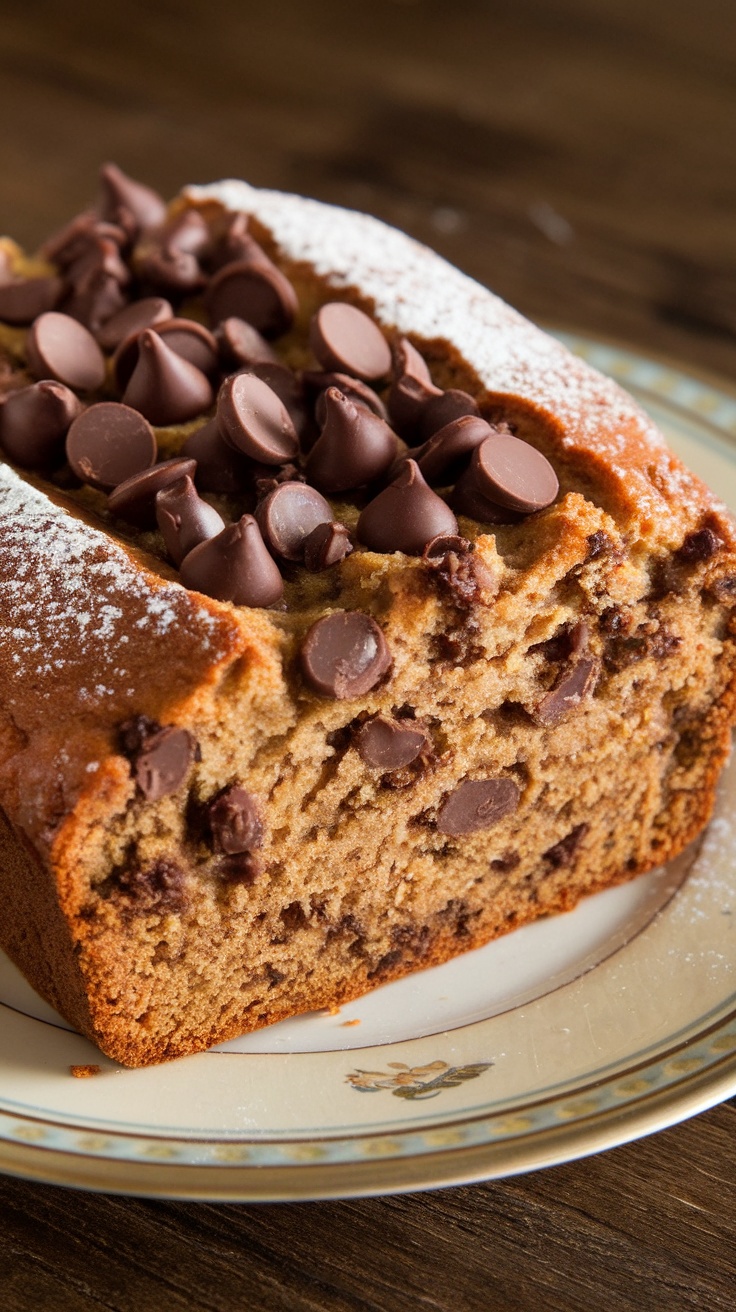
(89, 637)
(91, 633)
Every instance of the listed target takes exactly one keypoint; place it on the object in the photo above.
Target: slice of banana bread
(454, 645)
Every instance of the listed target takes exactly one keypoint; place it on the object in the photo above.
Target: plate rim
(513, 1155)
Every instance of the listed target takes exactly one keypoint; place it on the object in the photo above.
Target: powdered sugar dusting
(711, 881)
(703, 914)
(416, 291)
(69, 597)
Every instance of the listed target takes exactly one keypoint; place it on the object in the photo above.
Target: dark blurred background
(577, 155)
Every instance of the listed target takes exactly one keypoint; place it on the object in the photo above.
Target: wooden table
(580, 157)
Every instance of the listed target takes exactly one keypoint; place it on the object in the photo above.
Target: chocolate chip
(387, 964)
(235, 821)
(699, 546)
(663, 643)
(598, 543)
(135, 499)
(354, 448)
(410, 391)
(477, 804)
(193, 342)
(389, 744)
(67, 245)
(159, 887)
(513, 474)
(234, 245)
(288, 515)
(614, 622)
(188, 339)
(255, 291)
(405, 516)
(108, 443)
(126, 353)
(163, 386)
(99, 255)
(461, 570)
(254, 420)
(444, 544)
(288, 388)
(131, 320)
(344, 655)
(187, 231)
(169, 269)
(240, 343)
(621, 652)
(579, 637)
(22, 301)
(134, 732)
(94, 299)
(441, 410)
(162, 764)
(184, 519)
(125, 358)
(274, 976)
(234, 566)
(59, 347)
(326, 545)
(465, 499)
(131, 205)
(569, 692)
(344, 338)
(442, 458)
(240, 868)
(219, 467)
(34, 422)
(564, 852)
(352, 388)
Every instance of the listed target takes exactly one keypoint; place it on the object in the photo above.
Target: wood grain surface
(580, 157)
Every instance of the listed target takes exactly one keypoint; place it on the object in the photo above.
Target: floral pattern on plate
(416, 1082)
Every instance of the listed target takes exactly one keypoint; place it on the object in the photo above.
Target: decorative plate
(569, 1036)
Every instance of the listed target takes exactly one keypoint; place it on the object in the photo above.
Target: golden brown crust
(84, 629)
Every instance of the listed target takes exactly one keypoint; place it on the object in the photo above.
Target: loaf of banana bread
(347, 621)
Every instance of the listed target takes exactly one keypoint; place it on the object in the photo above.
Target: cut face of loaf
(207, 830)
